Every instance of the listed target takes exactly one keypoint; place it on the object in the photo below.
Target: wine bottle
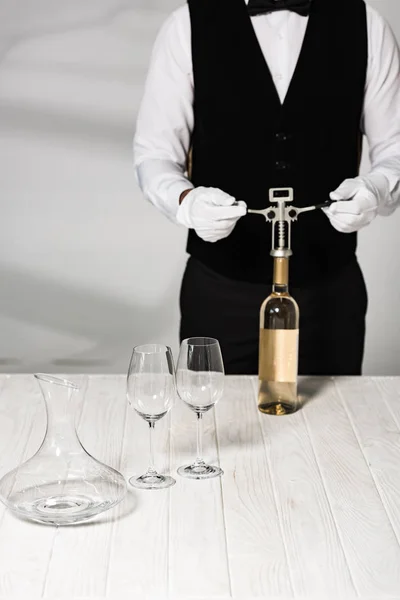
(278, 352)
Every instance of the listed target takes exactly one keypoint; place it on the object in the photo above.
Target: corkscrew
(281, 217)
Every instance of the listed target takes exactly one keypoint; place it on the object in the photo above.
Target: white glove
(211, 212)
(358, 203)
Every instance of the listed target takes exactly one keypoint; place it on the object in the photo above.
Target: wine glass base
(201, 471)
(152, 482)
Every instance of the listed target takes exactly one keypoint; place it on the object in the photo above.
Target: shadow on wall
(109, 324)
(52, 123)
(43, 17)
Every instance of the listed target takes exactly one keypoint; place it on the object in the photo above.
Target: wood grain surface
(308, 506)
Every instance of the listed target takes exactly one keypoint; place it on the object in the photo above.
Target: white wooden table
(309, 506)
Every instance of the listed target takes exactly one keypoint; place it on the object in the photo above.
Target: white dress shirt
(165, 120)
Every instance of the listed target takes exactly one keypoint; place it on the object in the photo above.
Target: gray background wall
(87, 268)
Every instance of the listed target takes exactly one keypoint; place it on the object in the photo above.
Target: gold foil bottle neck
(281, 271)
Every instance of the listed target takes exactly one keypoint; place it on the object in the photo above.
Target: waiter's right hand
(211, 212)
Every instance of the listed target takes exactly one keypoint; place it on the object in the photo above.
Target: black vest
(246, 142)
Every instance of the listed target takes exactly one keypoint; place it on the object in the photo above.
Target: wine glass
(200, 384)
(151, 392)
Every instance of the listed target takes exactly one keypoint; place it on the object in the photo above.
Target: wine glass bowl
(152, 396)
(199, 390)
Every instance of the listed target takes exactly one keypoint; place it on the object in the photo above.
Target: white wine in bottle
(279, 340)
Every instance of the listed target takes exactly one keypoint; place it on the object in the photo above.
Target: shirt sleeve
(381, 118)
(165, 119)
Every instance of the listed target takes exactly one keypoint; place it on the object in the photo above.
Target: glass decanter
(61, 484)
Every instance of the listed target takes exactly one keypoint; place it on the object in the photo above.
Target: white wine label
(278, 359)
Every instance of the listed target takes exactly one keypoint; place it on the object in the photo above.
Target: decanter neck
(60, 400)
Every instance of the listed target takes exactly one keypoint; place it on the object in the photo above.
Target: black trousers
(332, 319)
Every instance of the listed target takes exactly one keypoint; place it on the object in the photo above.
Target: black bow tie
(259, 7)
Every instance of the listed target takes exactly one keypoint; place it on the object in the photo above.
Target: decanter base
(62, 509)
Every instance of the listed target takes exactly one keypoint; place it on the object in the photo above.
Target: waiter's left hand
(358, 202)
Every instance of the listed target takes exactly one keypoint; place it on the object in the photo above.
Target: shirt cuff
(390, 200)
(162, 182)
(174, 190)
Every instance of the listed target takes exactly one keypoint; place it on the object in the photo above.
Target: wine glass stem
(199, 458)
(151, 468)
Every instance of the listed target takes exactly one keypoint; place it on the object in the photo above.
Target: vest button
(281, 165)
(281, 136)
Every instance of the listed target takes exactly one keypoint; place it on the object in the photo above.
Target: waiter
(243, 97)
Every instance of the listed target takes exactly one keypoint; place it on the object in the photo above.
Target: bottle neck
(281, 276)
